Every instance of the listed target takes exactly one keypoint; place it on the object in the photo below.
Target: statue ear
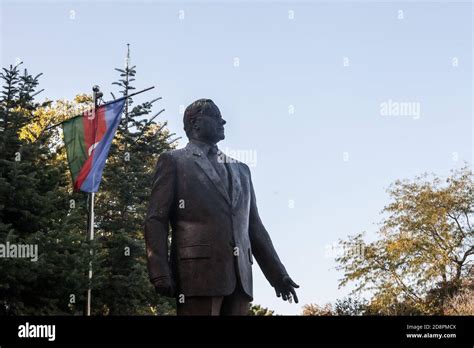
(195, 123)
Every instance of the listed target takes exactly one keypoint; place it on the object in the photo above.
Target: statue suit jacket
(214, 234)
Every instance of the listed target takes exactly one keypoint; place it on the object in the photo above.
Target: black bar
(261, 330)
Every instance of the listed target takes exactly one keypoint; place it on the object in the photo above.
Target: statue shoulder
(172, 154)
(243, 167)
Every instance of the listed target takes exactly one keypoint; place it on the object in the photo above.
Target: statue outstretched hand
(285, 288)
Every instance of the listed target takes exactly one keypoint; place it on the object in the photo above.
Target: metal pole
(96, 94)
(91, 238)
(127, 71)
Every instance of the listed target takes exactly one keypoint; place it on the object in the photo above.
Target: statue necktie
(218, 164)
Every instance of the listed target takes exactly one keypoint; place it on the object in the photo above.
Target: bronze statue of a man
(208, 200)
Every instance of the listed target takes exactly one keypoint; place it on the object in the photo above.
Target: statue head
(203, 121)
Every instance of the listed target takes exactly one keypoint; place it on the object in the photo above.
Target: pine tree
(37, 206)
(34, 209)
(120, 284)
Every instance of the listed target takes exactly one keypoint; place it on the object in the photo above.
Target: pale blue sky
(283, 62)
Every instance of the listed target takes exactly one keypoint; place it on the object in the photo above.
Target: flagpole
(91, 238)
(127, 67)
(95, 96)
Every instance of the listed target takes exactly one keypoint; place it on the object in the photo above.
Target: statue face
(210, 127)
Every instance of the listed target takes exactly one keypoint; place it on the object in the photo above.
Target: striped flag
(88, 138)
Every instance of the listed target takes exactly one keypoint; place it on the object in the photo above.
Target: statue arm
(266, 256)
(157, 219)
(262, 246)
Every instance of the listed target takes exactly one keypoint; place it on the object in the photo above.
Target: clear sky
(302, 86)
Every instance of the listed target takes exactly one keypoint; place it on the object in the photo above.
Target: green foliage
(37, 206)
(35, 209)
(121, 284)
(257, 310)
(350, 306)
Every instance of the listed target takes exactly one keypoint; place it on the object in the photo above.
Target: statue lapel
(232, 166)
(203, 162)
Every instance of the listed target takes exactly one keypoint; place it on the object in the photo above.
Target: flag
(88, 138)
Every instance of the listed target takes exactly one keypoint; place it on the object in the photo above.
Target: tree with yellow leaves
(424, 253)
(51, 113)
